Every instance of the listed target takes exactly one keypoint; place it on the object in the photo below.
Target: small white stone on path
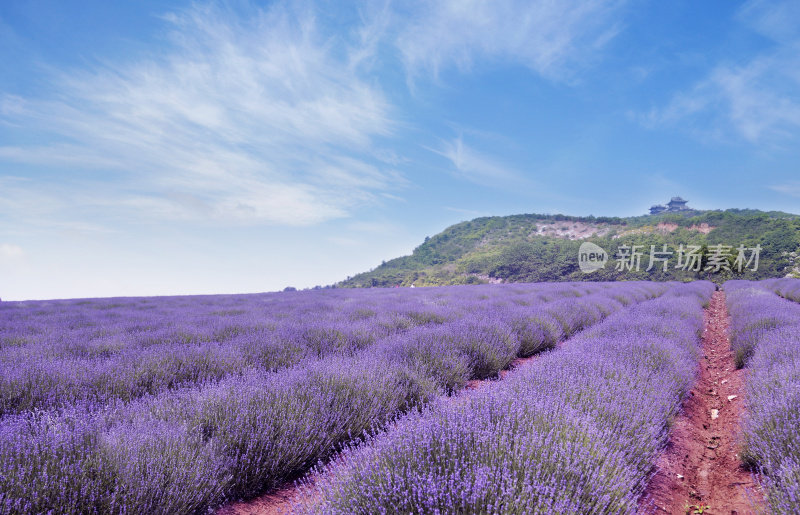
(714, 414)
(731, 397)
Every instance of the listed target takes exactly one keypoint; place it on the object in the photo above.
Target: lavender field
(183, 404)
(175, 405)
(766, 328)
(575, 432)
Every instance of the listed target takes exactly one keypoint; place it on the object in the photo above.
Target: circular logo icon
(591, 257)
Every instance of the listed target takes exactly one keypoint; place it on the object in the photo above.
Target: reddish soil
(277, 502)
(668, 227)
(700, 471)
(703, 228)
(665, 227)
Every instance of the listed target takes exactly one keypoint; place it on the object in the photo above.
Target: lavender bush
(786, 288)
(175, 405)
(575, 432)
(160, 468)
(58, 353)
(770, 327)
(755, 311)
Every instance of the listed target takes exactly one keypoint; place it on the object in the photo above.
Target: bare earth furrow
(700, 470)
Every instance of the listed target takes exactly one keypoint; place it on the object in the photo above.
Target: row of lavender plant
(767, 327)
(182, 451)
(53, 354)
(749, 326)
(577, 431)
(787, 288)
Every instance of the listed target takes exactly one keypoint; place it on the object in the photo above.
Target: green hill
(535, 248)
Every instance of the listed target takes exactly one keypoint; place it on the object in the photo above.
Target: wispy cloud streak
(246, 118)
(790, 188)
(476, 167)
(552, 38)
(756, 99)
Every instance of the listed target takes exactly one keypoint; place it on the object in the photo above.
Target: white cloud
(775, 20)
(789, 188)
(550, 37)
(250, 117)
(377, 20)
(476, 167)
(263, 115)
(756, 99)
(759, 101)
(9, 251)
(469, 212)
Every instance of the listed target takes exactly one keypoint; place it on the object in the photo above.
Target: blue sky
(152, 148)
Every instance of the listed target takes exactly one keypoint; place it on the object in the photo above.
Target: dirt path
(699, 471)
(277, 502)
